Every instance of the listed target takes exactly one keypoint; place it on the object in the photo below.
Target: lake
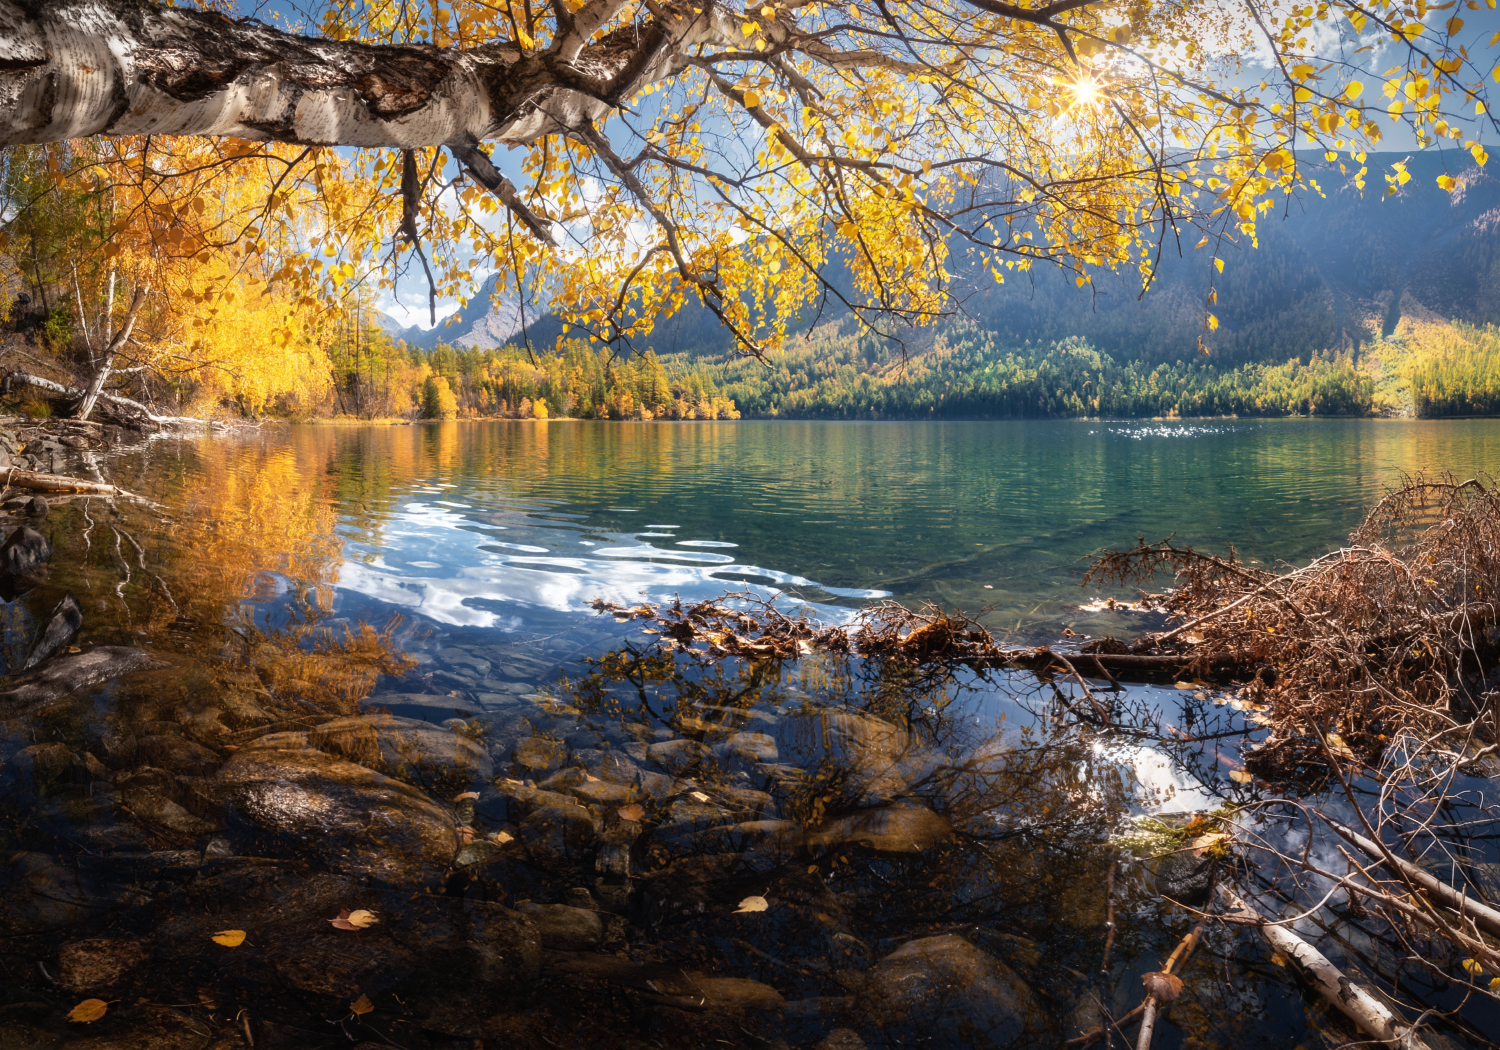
(377, 686)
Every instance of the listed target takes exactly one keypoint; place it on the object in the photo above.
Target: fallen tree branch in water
(1148, 1007)
(1483, 916)
(1372, 1017)
(36, 481)
(1394, 633)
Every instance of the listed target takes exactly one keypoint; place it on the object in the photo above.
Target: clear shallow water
(441, 575)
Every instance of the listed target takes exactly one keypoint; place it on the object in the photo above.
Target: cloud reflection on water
(477, 568)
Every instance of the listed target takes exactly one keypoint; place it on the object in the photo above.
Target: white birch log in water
(1368, 1013)
(36, 481)
(1485, 917)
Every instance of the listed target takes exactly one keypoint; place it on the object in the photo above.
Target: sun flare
(1085, 90)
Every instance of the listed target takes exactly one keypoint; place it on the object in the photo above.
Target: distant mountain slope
(480, 323)
(1330, 273)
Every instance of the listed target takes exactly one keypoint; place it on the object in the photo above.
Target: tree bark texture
(75, 68)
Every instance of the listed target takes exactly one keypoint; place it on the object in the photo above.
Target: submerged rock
(24, 552)
(565, 928)
(403, 747)
(60, 630)
(890, 829)
(880, 760)
(1185, 876)
(945, 991)
(67, 674)
(354, 819)
(99, 964)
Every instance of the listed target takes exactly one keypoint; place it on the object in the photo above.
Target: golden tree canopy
(748, 157)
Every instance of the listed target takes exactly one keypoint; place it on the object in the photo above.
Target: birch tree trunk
(96, 385)
(77, 68)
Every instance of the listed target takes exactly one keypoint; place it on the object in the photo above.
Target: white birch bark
(77, 68)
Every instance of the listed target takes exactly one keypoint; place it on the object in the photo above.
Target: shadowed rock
(24, 552)
(68, 674)
(351, 818)
(947, 991)
(60, 630)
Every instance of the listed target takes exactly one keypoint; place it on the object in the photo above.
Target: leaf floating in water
(474, 795)
(1473, 966)
(353, 920)
(230, 938)
(87, 1011)
(465, 834)
(503, 837)
(634, 811)
(361, 1006)
(1163, 987)
(1239, 776)
(750, 904)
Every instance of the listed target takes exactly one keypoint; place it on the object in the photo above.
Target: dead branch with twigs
(1399, 631)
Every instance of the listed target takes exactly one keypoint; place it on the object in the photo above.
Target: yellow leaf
(230, 938)
(1212, 322)
(1219, 265)
(1454, 25)
(1239, 776)
(361, 918)
(750, 904)
(1447, 182)
(1353, 90)
(634, 811)
(751, 100)
(1480, 156)
(700, 796)
(1201, 243)
(361, 1006)
(1474, 967)
(87, 1011)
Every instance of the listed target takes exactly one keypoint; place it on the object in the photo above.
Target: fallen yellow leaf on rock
(353, 920)
(634, 811)
(362, 1005)
(466, 794)
(503, 837)
(750, 904)
(230, 938)
(88, 1010)
(700, 796)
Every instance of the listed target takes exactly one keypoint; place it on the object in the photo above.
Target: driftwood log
(1485, 917)
(36, 481)
(1369, 1014)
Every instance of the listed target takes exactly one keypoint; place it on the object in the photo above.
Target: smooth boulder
(946, 991)
(69, 673)
(403, 747)
(358, 821)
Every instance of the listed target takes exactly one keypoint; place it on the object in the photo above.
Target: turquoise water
(494, 525)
